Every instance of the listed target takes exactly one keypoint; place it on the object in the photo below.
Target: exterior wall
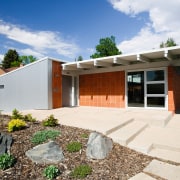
(26, 87)
(56, 84)
(66, 91)
(102, 89)
(173, 89)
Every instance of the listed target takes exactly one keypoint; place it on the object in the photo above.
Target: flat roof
(155, 55)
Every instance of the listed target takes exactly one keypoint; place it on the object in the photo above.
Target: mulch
(121, 163)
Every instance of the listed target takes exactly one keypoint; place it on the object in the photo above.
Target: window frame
(156, 82)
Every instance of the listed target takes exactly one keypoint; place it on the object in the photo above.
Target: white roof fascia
(168, 55)
(125, 59)
(142, 58)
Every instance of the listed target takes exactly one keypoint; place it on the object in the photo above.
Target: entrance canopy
(171, 55)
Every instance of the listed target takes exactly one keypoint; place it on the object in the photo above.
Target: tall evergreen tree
(11, 59)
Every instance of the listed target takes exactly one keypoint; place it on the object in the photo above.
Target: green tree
(80, 58)
(106, 47)
(27, 59)
(11, 59)
(169, 43)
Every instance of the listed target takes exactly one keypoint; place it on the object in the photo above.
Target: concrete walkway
(153, 132)
(159, 169)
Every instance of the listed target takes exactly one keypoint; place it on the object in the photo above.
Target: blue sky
(65, 29)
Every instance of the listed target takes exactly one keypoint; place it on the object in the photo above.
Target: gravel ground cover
(121, 163)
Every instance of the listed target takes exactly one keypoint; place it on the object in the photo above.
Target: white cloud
(164, 22)
(30, 52)
(90, 50)
(39, 41)
(1, 57)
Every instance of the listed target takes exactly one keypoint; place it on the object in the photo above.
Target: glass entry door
(135, 89)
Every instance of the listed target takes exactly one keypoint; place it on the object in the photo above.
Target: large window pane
(155, 102)
(157, 75)
(136, 89)
(155, 88)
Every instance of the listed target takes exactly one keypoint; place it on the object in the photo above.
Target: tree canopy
(106, 47)
(80, 58)
(12, 59)
(27, 59)
(169, 43)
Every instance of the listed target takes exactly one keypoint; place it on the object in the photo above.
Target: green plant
(29, 118)
(50, 121)
(81, 171)
(42, 136)
(16, 124)
(84, 135)
(6, 161)
(51, 172)
(74, 146)
(16, 114)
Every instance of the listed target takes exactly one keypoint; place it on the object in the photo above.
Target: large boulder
(5, 143)
(46, 153)
(98, 146)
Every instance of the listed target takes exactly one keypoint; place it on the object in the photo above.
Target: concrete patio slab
(157, 139)
(175, 122)
(157, 118)
(126, 134)
(164, 153)
(142, 176)
(99, 119)
(158, 142)
(163, 170)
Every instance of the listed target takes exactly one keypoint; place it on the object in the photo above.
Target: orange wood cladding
(173, 89)
(56, 85)
(102, 89)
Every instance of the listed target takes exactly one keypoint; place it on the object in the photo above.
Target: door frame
(132, 100)
(165, 95)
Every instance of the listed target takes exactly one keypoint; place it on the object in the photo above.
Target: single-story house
(149, 79)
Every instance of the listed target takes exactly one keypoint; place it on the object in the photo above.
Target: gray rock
(46, 153)
(5, 143)
(98, 146)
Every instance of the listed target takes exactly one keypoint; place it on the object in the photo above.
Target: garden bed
(121, 163)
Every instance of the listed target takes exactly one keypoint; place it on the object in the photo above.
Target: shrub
(6, 161)
(50, 121)
(81, 171)
(51, 172)
(42, 136)
(74, 146)
(16, 114)
(29, 118)
(16, 124)
(84, 135)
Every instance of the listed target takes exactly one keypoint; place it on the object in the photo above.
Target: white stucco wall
(28, 87)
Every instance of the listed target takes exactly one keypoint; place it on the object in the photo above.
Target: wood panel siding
(102, 89)
(56, 84)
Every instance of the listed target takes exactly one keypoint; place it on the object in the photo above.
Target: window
(156, 101)
(155, 88)
(147, 88)
(157, 75)
(1, 86)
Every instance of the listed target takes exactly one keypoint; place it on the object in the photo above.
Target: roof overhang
(156, 55)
